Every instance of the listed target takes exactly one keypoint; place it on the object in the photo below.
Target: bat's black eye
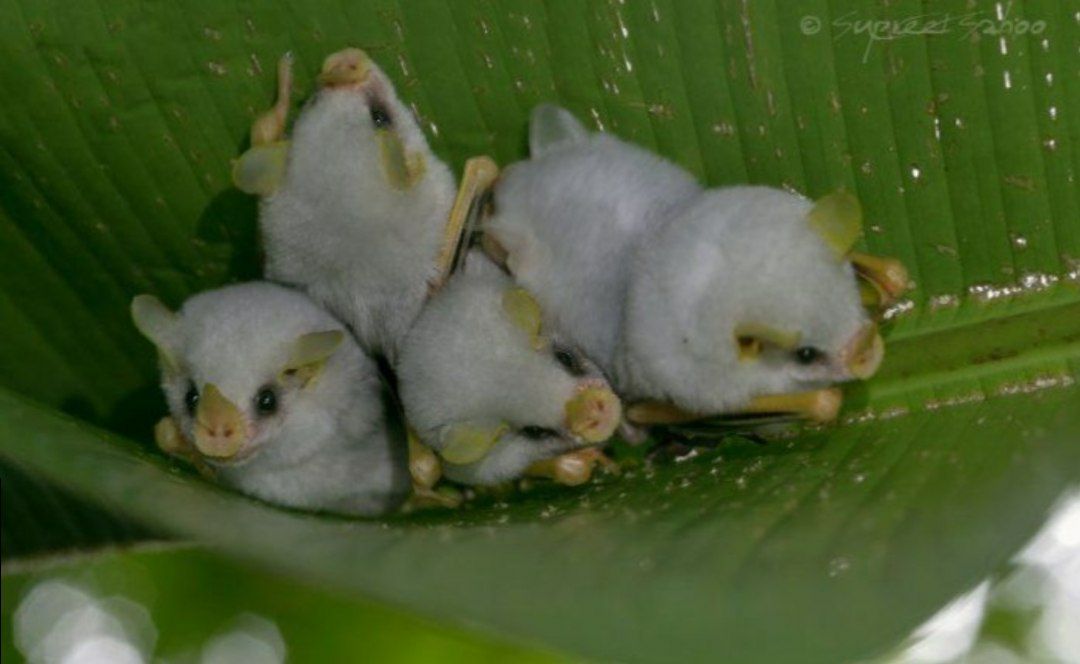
(538, 433)
(266, 401)
(379, 117)
(570, 360)
(191, 399)
(808, 355)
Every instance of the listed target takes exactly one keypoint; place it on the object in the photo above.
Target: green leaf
(193, 599)
(39, 519)
(849, 536)
(116, 139)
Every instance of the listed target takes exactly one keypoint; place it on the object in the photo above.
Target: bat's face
(477, 371)
(743, 298)
(356, 134)
(238, 367)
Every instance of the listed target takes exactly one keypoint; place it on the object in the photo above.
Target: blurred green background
(177, 603)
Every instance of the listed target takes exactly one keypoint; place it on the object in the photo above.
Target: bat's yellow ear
(837, 218)
(551, 126)
(466, 442)
(260, 170)
(751, 339)
(402, 169)
(524, 311)
(309, 354)
(157, 323)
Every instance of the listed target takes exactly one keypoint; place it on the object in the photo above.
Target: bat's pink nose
(593, 413)
(347, 67)
(220, 432)
(219, 442)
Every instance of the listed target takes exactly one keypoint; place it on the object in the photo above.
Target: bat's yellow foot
(423, 498)
(426, 471)
(572, 468)
(171, 441)
(424, 464)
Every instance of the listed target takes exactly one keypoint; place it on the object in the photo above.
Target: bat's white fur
(736, 255)
(327, 447)
(338, 228)
(570, 219)
(649, 274)
(464, 361)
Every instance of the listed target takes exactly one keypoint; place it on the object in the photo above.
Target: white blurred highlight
(1056, 552)
(61, 623)
(1046, 581)
(103, 650)
(252, 640)
(951, 631)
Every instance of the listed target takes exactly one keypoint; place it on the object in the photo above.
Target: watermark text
(964, 26)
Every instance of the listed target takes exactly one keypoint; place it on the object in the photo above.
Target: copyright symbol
(810, 25)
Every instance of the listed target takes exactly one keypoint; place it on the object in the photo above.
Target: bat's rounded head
(253, 369)
(355, 135)
(741, 296)
(480, 372)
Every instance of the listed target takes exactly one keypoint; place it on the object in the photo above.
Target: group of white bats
(606, 291)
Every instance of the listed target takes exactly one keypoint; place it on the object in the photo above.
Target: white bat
(268, 391)
(693, 301)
